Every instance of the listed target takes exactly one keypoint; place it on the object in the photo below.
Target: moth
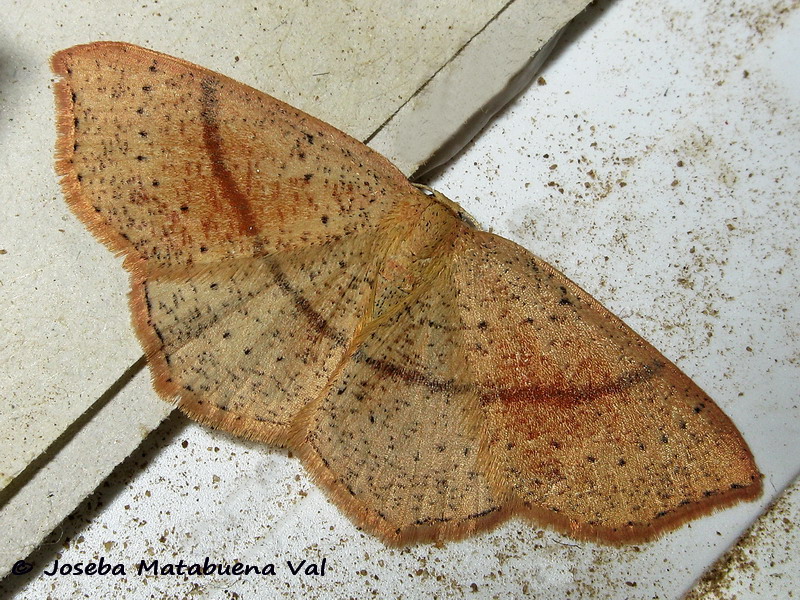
(290, 285)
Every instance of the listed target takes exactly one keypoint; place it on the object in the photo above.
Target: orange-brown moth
(290, 285)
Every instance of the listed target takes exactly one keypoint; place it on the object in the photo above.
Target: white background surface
(698, 258)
